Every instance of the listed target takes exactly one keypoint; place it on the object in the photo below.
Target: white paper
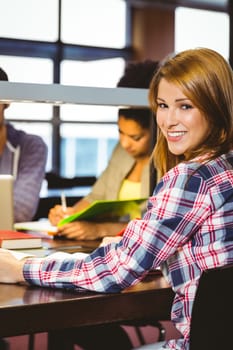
(38, 226)
(64, 255)
(57, 255)
(19, 255)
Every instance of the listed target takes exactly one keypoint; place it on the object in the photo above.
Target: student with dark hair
(127, 174)
(138, 74)
(24, 156)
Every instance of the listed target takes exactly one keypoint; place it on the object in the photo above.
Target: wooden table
(25, 310)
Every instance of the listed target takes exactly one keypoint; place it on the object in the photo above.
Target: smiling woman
(183, 125)
(187, 227)
(190, 106)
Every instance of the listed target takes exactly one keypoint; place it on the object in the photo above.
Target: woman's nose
(170, 119)
(125, 142)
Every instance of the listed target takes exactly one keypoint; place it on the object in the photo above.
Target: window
(31, 20)
(47, 48)
(96, 23)
(28, 70)
(196, 28)
(101, 73)
(86, 148)
(90, 142)
(82, 42)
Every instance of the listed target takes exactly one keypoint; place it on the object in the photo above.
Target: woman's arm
(84, 230)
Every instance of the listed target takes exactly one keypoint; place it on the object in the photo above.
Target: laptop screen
(6, 202)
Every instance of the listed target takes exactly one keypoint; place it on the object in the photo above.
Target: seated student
(126, 176)
(188, 226)
(128, 172)
(24, 156)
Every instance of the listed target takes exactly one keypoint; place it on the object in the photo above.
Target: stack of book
(10, 239)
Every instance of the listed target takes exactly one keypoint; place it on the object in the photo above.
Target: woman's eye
(186, 106)
(136, 138)
(162, 105)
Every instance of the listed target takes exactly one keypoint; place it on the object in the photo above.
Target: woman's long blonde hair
(206, 78)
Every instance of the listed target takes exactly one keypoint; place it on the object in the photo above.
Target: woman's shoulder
(194, 175)
(200, 169)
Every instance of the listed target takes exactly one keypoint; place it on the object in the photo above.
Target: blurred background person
(24, 156)
(127, 174)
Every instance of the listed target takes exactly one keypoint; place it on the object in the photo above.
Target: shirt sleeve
(174, 213)
(31, 171)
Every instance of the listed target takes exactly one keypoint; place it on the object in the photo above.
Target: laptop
(6, 202)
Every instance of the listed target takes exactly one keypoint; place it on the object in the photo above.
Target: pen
(63, 201)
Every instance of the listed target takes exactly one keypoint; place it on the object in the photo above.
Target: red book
(19, 240)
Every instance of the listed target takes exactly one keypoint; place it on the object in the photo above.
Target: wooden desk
(69, 246)
(25, 310)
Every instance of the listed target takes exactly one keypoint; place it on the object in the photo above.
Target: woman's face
(183, 125)
(133, 138)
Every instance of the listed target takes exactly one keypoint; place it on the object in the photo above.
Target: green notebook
(111, 210)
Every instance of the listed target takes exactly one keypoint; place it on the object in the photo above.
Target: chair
(212, 314)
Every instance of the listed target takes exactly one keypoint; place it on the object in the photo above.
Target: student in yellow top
(126, 176)
(128, 172)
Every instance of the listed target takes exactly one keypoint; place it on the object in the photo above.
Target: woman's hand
(85, 230)
(57, 213)
(80, 230)
(11, 269)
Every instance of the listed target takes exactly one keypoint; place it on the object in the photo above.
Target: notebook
(6, 202)
(112, 210)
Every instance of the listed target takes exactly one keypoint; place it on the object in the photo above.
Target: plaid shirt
(187, 228)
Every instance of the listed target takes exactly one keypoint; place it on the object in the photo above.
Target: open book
(111, 210)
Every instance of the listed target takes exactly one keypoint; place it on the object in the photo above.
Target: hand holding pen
(59, 212)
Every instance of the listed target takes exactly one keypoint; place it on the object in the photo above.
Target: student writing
(127, 174)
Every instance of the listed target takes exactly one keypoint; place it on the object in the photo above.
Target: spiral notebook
(6, 202)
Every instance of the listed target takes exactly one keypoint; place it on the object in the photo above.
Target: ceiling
(216, 5)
